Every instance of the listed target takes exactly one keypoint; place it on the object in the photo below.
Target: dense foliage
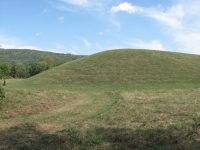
(4, 69)
(19, 70)
(38, 67)
(28, 57)
(25, 63)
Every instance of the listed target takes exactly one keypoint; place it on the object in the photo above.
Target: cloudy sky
(89, 26)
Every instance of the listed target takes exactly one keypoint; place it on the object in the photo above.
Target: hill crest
(127, 65)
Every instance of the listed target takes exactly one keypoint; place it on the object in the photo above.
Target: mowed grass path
(94, 116)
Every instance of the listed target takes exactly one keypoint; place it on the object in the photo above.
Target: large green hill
(27, 56)
(88, 103)
(125, 66)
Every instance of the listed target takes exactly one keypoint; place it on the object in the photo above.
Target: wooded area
(23, 63)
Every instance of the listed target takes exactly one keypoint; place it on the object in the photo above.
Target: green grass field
(120, 99)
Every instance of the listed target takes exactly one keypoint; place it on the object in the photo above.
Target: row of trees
(20, 70)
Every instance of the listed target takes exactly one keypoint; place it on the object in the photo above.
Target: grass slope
(160, 111)
(126, 66)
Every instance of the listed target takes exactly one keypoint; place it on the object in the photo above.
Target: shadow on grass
(29, 136)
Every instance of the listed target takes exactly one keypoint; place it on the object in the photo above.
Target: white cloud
(74, 49)
(188, 36)
(192, 7)
(170, 21)
(184, 25)
(73, 52)
(29, 47)
(180, 21)
(76, 2)
(37, 34)
(84, 40)
(61, 19)
(116, 23)
(189, 42)
(87, 43)
(176, 11)
(128, 7)
(10, 46)
(59, 46)
(46, 10)
(100, 6)
(171, 17)
(9, 42)
(62, 7)
(101, 33)
(155, 45)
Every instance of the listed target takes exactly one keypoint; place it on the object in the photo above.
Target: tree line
(20, 70)
(28, 56)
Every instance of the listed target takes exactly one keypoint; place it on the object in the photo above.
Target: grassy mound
(50, 111)
(125, 66)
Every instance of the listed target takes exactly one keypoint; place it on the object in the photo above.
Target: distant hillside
(27, 57)
(125, 66)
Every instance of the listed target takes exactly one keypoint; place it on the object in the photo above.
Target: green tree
(19, 70)
(4, 69)
(12, 71)
(49, 60)
(37, 67)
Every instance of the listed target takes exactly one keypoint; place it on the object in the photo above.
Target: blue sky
(86, 27)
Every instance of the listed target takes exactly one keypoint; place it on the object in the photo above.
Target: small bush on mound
(2, 94)
(4, 82)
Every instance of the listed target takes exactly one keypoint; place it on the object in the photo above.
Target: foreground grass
(100, 116)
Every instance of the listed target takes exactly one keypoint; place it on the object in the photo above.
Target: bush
(38, 67)
(2, 94)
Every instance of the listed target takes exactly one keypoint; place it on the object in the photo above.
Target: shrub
(2, 94)
(4, 82)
